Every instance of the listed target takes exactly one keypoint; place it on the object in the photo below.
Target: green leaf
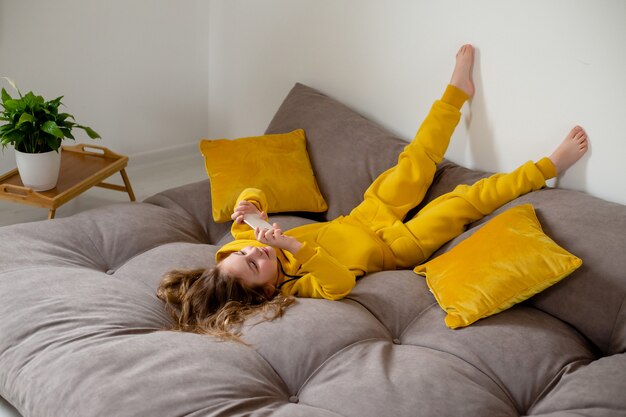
(11, 105)
(66, 124)
(6, 129)
(53, 143)
(15, 136)
(57, 100)
(67, 132)
(52, 128)
(90, 132)
(5, 95)
(30, 100)
(26, 118)
(63, 116)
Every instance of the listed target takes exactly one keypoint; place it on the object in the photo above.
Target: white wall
(542, 67)
(135, 71)
(139, 71)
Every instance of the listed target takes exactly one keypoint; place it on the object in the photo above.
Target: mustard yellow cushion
(277, 164)
(506, 261)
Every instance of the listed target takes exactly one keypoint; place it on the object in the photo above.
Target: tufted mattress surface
(83, 334)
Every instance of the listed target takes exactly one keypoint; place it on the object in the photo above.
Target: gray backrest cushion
(347, 151)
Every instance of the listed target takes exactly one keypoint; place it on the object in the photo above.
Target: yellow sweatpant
(401, 188)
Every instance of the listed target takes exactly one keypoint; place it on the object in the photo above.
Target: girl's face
(255, 266)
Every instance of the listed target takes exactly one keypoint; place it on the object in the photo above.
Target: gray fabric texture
(81, 330)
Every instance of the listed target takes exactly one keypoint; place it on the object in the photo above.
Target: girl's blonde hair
(210, 301)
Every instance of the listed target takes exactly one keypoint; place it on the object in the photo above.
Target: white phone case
(254, 221)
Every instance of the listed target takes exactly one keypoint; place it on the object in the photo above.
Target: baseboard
(186, 150)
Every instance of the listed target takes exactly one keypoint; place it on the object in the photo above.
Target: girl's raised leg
(397, 190)
(448, 215)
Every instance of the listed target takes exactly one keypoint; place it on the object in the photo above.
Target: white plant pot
(39, 171)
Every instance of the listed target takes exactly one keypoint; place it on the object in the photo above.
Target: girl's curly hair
(210, 301)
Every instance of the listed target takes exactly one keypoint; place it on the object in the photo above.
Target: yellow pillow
(277, 164)
(505, 262)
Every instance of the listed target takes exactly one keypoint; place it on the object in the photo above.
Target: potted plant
(35, 128)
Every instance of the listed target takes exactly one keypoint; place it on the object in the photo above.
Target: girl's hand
(275, 237)
(246, 207)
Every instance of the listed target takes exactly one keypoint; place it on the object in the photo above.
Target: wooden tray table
(81, 169)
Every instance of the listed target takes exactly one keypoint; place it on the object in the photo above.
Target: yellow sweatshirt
(356, 250)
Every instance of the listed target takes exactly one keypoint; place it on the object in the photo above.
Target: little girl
(263, 269)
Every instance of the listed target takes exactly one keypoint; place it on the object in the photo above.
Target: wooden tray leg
(51, 214)
(129, 189)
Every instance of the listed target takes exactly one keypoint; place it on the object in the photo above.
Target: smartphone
(254, 221)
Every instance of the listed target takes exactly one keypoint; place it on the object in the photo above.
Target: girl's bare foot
(462, 75)
(570, 150)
